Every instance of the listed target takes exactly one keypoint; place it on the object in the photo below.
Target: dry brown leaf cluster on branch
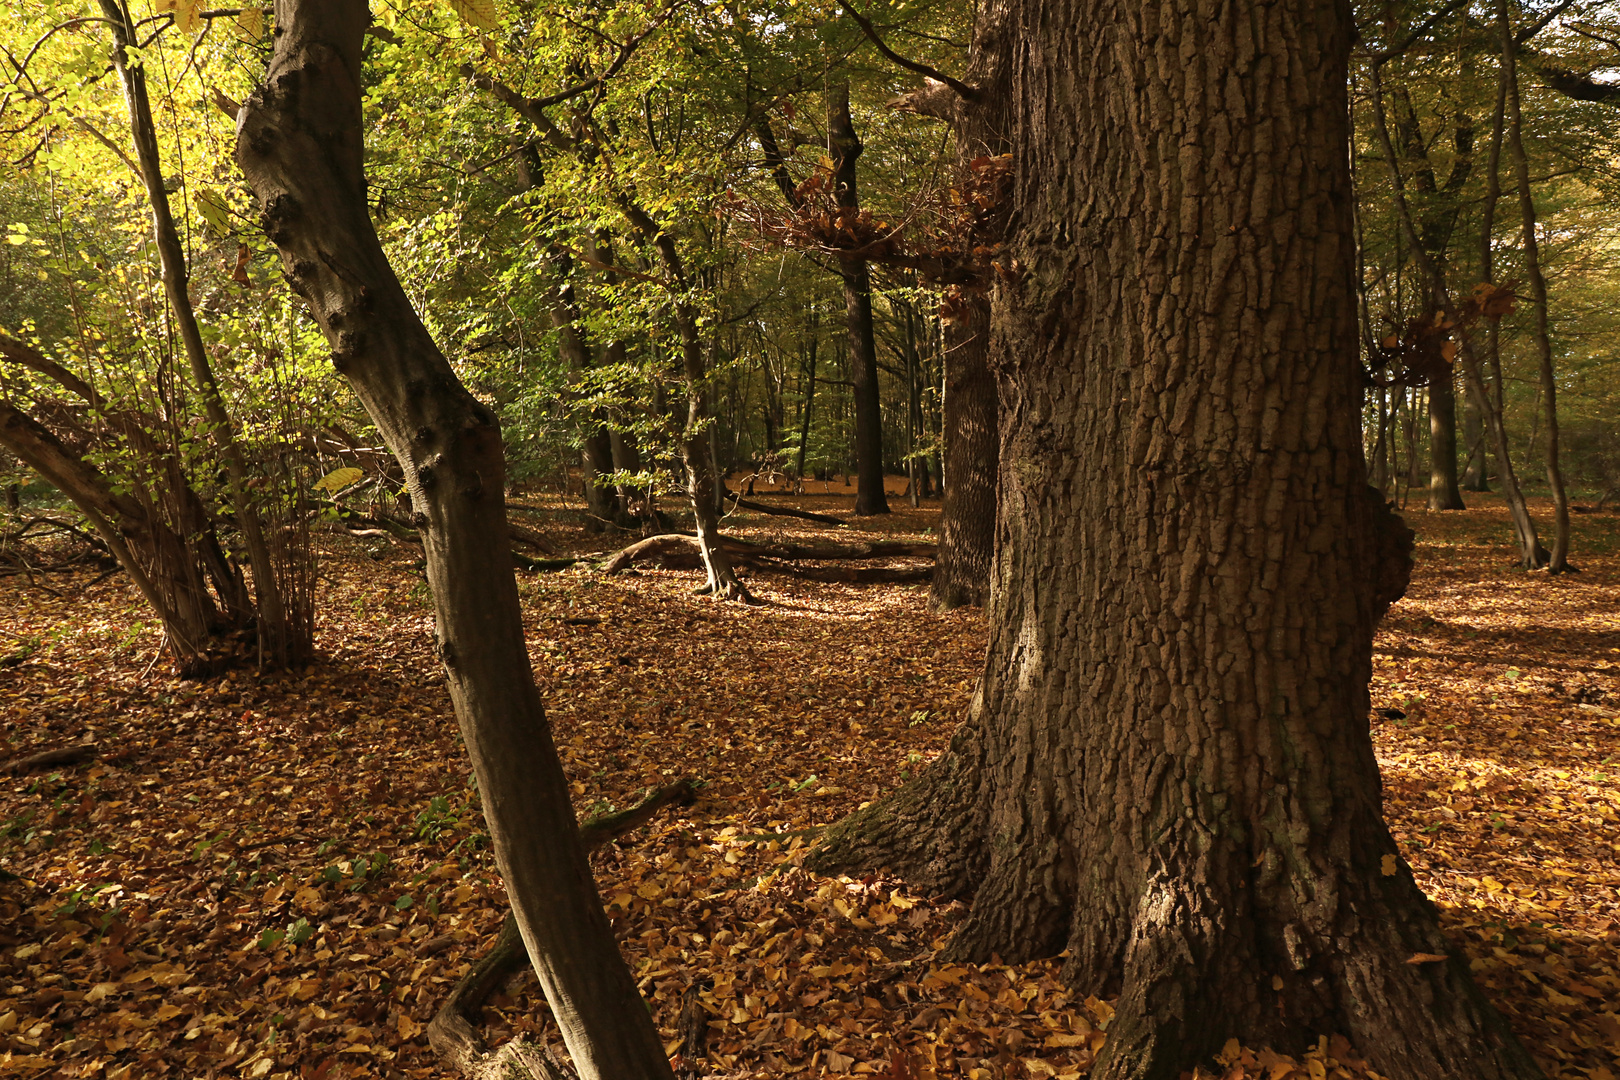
(284, 877)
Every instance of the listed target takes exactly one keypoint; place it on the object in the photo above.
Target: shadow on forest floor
(271, 877)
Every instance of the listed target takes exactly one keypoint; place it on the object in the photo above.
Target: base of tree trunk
(452, 1033)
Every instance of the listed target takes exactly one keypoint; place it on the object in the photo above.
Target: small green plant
(918, 717)
(434, 820)
(806, 782)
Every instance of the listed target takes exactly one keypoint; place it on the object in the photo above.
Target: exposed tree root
(452, 1033)
(925, 831)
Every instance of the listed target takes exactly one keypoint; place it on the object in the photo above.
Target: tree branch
(967, 93)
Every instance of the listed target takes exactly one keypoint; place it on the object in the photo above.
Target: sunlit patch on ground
(265, 878)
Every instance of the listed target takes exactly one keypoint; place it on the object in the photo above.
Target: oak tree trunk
(300, 144)
(1168, 771)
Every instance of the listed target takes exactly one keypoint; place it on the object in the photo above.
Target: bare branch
(968, 93)
(1417, 34)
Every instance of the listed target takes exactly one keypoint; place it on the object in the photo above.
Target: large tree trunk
(845, 147)
(300, 144)
(1169, 770)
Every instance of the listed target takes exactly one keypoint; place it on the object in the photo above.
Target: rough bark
(845, 147)
(967, 521)
(300, 145)
(1168, 770)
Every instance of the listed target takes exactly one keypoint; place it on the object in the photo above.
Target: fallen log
(677, 551)
(62, 755)
(782, 511)
(452, 1033)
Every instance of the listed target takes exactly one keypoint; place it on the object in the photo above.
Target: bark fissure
(1169, 769)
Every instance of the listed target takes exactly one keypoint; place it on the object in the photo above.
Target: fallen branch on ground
(451, 1033)
(782, 511)
(62, 755)
(677, 551)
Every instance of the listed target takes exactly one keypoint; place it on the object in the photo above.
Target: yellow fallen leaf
(1425, 958)
(1389, 864)
(100, 991)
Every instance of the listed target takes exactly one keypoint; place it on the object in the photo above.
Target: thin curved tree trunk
(279, 640)
(1169, 771)
(1558, 559)
(301, 146)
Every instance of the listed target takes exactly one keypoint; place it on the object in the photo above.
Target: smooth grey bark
(1168, 769)
(300, 145)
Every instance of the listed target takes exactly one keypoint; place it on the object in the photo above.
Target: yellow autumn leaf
(250, 22)
(479, 13)
(1389, 864)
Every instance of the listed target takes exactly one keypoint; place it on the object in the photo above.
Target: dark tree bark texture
(300, 144)
(845, 146)
(967, 525)
(1168, 770)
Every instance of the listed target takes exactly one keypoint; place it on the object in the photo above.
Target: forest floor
(283, 876)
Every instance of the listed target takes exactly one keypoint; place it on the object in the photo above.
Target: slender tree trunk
(596, 450)
(1476, 476)
(1558, 559)
(972, 439)
(300, 145)
(809, 396)
(1531, 554)
(1168, 771)
(845, 148)
(279, 641)
(1444, 493)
